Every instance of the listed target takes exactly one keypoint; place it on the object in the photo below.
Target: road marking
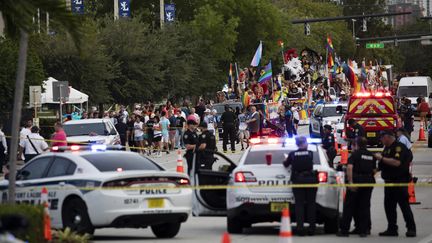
(427, 239)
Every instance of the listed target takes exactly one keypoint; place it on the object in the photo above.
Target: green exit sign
(374, 45)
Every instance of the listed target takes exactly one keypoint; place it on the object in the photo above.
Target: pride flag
(266, 74)
(245, 98)
(329, 44)
(351, 76)
(257, 57)
(230, 77)
(330, 62)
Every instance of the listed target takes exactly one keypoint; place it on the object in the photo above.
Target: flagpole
(272, 82)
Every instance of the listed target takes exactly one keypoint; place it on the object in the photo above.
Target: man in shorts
(164, 125)
(243, 128)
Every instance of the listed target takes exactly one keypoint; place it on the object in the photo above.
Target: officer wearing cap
(361, 169)
(355, 130)
(394, 166)
(301, 162)
(190, 139)
(206, 147)
(228, 120)
(328, 142)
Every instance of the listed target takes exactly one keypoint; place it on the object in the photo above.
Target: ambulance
(375, 112)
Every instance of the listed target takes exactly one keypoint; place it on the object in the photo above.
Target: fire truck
(375, 112)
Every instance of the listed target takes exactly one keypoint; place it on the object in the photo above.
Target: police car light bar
(309, 140)
(368, 94)
(93, 148)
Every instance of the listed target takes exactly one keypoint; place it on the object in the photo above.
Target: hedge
(34, 214)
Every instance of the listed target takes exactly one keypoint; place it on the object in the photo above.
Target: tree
(17, 15)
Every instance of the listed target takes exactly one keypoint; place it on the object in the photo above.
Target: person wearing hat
(361, 169)
(394, 166)
(190, 139)
(228, 120)
(302, 172)
(328, 142)
(353, 131)
(210, 120)
(206, 147)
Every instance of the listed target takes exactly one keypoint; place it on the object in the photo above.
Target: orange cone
(47, 219)
(285, 234)
(226, 238)
(344, 155)
(422, 136)
(411, 193)
(180, 168)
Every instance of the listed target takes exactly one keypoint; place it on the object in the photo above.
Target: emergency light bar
(93, 148)
(277, 140)
(309, 141)
(368, 94)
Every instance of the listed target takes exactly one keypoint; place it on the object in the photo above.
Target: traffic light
(364, 25)
(307, 29)
(395, 42)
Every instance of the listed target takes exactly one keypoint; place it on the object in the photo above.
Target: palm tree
(18, 15)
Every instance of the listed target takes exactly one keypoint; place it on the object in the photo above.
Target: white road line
(427, 239)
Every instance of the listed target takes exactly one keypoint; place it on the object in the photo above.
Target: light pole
(162, 14)
(60, 99)
(353, 27)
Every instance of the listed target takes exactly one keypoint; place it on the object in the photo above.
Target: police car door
(211, 202)
(315, 128)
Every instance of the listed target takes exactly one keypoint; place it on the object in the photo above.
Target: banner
(169, 13)
(124, 8)
(77, 6)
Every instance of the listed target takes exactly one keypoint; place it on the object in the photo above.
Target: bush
(34, 215)
(68, 236)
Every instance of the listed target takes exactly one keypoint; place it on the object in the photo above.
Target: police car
(325, 114)
(83, 195)
(95, 131)
(256, 191)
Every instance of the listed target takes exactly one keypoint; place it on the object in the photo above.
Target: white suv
(93, 131)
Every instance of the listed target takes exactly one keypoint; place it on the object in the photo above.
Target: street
(210, 229)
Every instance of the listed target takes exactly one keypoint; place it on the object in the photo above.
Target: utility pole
(47, 23)
(353, 28)
(38, 20)
(162, 14)
(61, 108)
(116, 10)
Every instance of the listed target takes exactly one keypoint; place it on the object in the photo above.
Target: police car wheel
(234, 227)
(331, 226)
(75, 216)
(167, 230)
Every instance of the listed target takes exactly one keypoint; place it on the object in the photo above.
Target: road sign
(374, 45)
(35, 93)
(77, 6)
(60, 89)
(124, 8)
(426, 40)
(169, 13)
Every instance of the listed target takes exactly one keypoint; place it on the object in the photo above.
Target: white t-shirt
(3, 140)
(38, 142)
(295, 113)
(210, 120)
(138, 126)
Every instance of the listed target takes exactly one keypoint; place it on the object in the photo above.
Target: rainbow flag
(230, 76)
(330, 62)
(266, 74)
(351, 76)
(329, 44)
(257, 57)
(245, 98)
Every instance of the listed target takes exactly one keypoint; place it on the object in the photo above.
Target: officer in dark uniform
(228, 120)
(190, 139)
(328, 142)
(206, 147)
(301, 162)
(394, 166)
(354, 130)
(361, 169)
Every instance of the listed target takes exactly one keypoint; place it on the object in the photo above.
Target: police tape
(236, 187)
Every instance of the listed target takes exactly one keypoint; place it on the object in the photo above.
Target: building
(416, 7)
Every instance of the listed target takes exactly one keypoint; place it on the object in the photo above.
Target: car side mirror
(23, 174)
(339, 109)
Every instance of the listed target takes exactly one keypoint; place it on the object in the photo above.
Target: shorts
(157, 139)
(244, 134)
(165, 138)
(138, 138)
(296, 121)
(172, 134)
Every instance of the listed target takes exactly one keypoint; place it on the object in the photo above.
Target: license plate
(155, 203)
(370, 134)
(278, 206)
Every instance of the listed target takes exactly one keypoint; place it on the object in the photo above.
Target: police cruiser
(325, 114)
(97, 188)
(256, 189)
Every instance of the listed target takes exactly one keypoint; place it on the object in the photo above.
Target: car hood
(331, 119)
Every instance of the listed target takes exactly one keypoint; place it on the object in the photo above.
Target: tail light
(255, 140)
(244, 177)
(322, 177)
(183, 182)
(272, 140)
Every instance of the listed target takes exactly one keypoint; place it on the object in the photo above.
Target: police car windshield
(330, 111)
(84, 129)
(109, 162)
(278, 157)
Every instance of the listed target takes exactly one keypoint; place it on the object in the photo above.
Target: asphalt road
(210, 229)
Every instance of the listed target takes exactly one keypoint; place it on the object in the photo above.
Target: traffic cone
(180, 168)
(411, 192)
(344, 155)
(336, 144)
(226, 238)
(422, 136)
(285, 234)
(47, 219)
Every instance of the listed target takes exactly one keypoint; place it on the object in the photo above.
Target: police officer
(394, 166)
(190, 139)
(228, 120)
(328, 142)
(361, 169)
(206, 147)
(301, 162)
(355, 130)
